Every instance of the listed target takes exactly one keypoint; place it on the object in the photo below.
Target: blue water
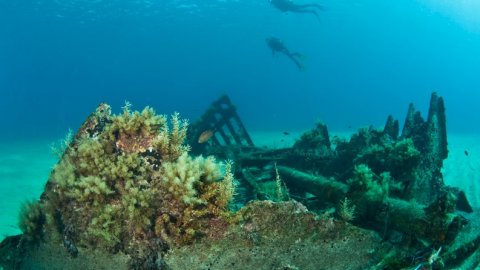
(364, 60)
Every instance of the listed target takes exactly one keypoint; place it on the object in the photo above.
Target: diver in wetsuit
(289, 5)
(277, 46)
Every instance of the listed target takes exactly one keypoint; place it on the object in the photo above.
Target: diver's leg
(295, 60)
(318, 6)
(299, 55)
(307, 11)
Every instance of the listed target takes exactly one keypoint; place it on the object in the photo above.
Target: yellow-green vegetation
(282, 192)
(128, 183)
(383, 169)
(59, 147)
(31, 221)
(399, 157)
(374, 187)
(347, 210)
(191, 187)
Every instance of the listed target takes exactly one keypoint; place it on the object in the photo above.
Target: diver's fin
(309, 11)
(298, 55)
(317, 6)
(295, 60)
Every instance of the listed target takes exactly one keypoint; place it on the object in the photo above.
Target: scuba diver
(289, 5)
(277, 46)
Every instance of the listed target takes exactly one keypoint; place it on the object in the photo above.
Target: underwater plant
(127, 183)
(347, 210)
(31, 221)
(397, 157)
(281, 188)
(59, 147)
(374, 187)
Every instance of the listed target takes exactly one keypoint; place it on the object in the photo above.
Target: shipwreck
(137, 190)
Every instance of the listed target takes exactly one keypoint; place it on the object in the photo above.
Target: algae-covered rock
(126, 184)
(262, 235)
(283, 236)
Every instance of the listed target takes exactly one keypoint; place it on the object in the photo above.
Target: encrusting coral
(127, 183)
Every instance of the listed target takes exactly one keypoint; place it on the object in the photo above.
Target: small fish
(466, 152)
(205, 136)
(286, 133)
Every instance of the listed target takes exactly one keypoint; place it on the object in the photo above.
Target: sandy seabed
(24, 170)
(25, 166)
(462, 167)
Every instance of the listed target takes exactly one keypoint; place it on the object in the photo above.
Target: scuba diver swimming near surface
(277, 46)
(289, 5)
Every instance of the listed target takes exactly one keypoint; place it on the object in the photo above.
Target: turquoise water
(363, 60)
(24, 170)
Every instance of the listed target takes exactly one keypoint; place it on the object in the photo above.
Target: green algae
(127, 183)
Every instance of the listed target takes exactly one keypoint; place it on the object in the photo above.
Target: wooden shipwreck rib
(222, 119)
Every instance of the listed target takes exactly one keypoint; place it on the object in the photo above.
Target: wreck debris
(374, 209)
(329, 190)
(313, 148)
(391, 128)
(226, 128)
(380, 172)
(430, 138)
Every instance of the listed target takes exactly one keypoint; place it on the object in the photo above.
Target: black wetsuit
(289, 5)
(277, 46)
